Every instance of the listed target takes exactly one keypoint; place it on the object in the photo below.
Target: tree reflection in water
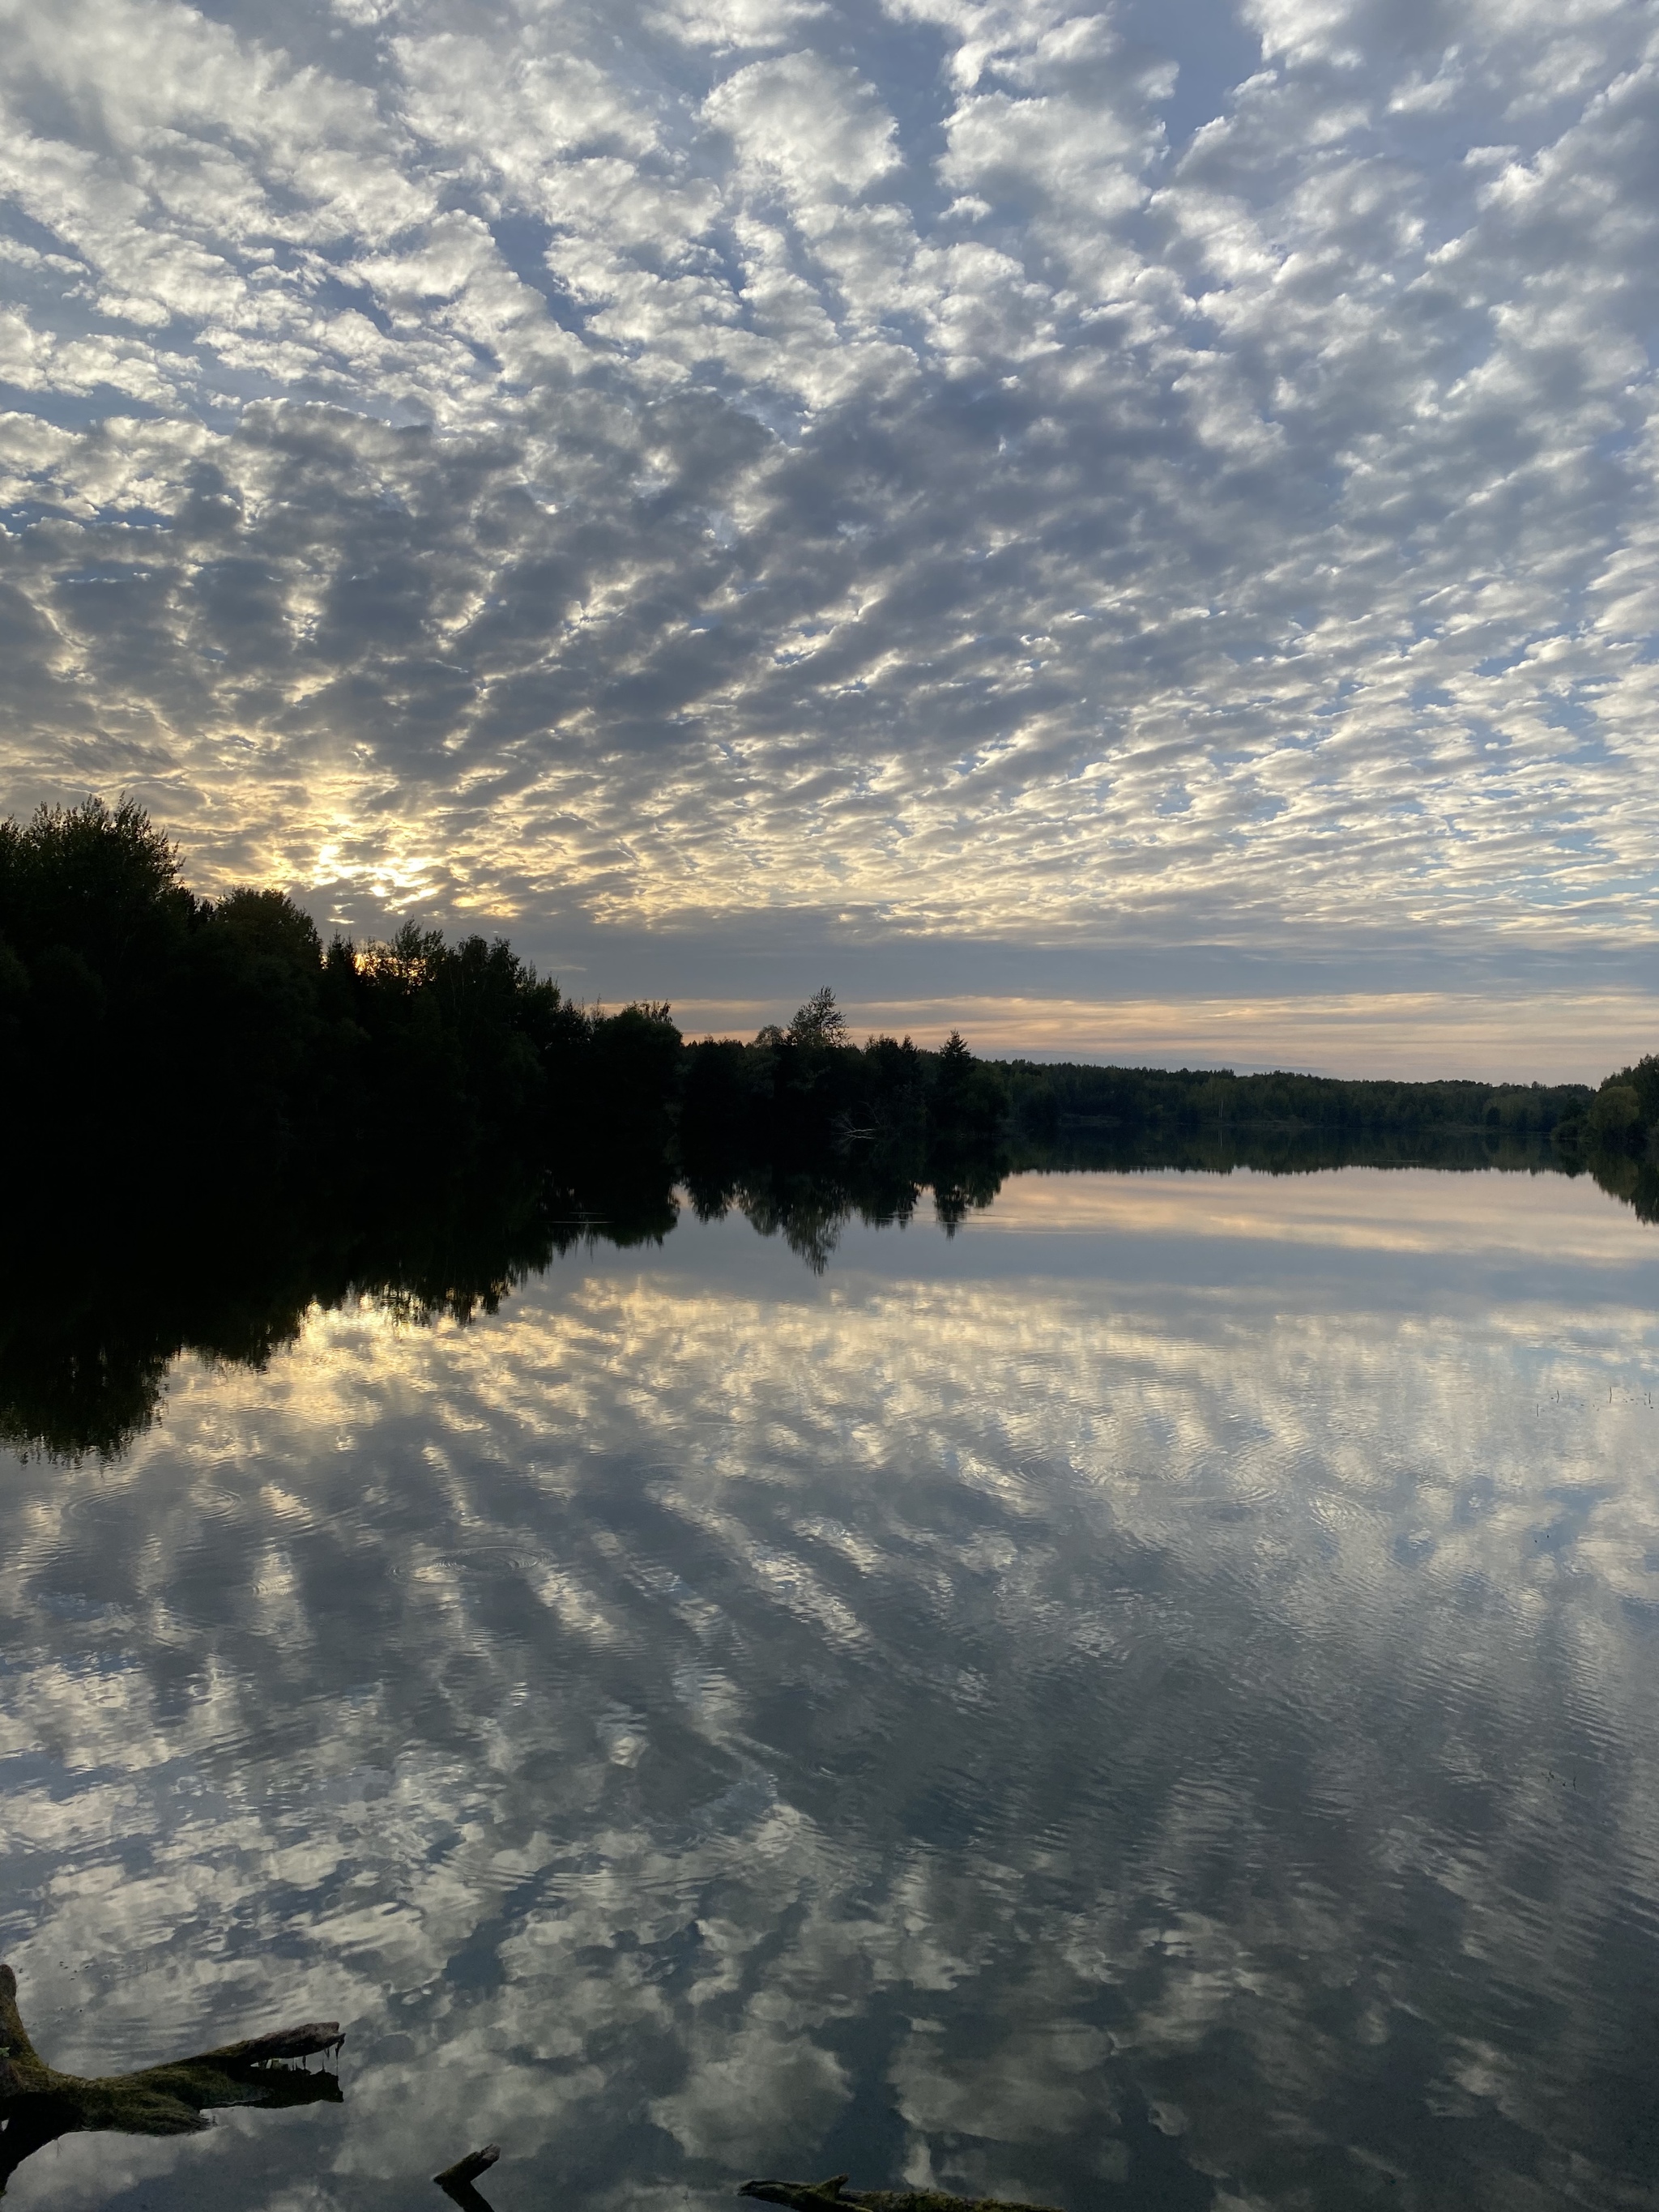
(95, 1307)
(456, 2181)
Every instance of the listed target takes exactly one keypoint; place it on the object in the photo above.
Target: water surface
(1151, 1701)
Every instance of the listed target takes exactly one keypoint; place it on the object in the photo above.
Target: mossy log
(456, 2181)
(834, 2196)
(38, 2104)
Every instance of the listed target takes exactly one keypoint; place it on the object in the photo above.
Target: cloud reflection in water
(1166, 1701)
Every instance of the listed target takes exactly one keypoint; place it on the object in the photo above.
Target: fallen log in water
(822, 2195)
(38, 2104)
(470, 2168)
(456, 2181)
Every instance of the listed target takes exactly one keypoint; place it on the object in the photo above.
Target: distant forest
(149, 1031)
(214, 1121)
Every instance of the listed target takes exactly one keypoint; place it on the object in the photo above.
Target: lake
(1150, 1700)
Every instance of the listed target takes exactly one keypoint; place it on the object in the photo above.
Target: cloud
(642, 471)
(818, 129)
(725, 24)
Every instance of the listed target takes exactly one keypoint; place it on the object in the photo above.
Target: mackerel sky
(1016, 510)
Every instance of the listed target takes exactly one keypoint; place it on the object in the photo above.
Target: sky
(1132, 528)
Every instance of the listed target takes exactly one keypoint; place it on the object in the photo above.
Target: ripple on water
(1028, 1737)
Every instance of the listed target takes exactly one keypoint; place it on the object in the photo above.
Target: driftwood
(456, 2181)
(834, 2196)
(38, 2104)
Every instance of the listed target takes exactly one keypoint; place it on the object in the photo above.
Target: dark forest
(214, 1121)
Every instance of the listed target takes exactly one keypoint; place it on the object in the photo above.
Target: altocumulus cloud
(934, 471)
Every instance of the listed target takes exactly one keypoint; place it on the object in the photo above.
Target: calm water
(1153, 1702)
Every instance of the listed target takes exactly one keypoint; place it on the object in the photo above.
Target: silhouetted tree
(820, 1021)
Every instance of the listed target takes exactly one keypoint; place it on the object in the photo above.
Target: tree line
(145, 1026)
(215, 1121)
(1053, 1098)
(148, 1032)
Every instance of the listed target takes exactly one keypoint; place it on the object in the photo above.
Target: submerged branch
(38, 2104)
(456, 2181)
(834, 2196)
